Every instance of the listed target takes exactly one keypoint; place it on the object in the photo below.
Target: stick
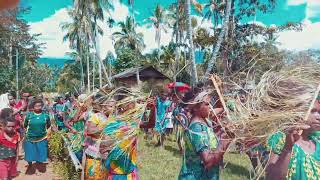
(72, 155)
(312, 103)
(215, 84)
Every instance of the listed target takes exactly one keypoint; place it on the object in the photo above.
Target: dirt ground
(36, 172)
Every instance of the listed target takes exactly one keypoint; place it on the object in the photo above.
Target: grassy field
(165, 163)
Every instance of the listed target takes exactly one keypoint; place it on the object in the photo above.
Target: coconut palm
(221, 36)
(159, 22)
(128, 37)
(194, 74)
(74, 36)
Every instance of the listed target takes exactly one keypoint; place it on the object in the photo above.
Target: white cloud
(296, 2)
(52, 34)
(307, 38)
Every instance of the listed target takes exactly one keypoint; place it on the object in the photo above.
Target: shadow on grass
(237, 170)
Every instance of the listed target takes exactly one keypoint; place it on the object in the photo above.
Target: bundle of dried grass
(280, 101)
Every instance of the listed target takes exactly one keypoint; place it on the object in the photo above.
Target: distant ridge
(59, 62)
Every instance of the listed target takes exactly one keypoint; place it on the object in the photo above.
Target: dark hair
(5, 113)
(36, 101)
(8, 119)
(76, 95)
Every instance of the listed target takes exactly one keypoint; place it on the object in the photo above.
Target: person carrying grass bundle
(295, 155)
(76, 124)
(203, 150)
(95, 122)
(36, 124)
(9, 145)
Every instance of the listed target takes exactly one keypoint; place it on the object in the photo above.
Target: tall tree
(128, 37)
(194, 73)
(221, 37)
(73, 35)
(159, 22)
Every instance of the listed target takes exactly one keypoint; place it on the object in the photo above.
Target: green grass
(165, 163)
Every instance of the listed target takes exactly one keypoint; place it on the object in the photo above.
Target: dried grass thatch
(280, 101)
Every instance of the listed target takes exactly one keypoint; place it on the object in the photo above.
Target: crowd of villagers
(195, 115)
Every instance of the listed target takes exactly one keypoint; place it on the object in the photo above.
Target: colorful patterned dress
(302, 166)
(198, 138)
(94, 169)
(121, 163)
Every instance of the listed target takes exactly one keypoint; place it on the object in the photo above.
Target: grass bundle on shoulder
(279, 102)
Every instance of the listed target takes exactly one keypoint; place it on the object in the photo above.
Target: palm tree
(194, 74)
(128, 37)
(158, 20)
(90, 12)
(74, 36)
(110, 22)
(221, 36)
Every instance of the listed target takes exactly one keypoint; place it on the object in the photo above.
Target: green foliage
(69, 79)
(33, 78)
(126, 58)
(56, 146)
(62, 163)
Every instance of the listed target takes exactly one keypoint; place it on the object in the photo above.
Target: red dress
(8, 156)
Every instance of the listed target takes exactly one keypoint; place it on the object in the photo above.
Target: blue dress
(162, 109)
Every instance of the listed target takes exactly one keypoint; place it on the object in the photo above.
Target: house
(148, 74)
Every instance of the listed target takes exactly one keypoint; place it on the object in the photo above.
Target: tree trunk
(80, 56)
(93, 72)
(17, 73)
(100, 75)
(221, 36)
(10, 52)
(194, 74)
(82, 74)
(88, 73)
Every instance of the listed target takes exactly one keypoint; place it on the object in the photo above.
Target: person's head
(9, 125)
(242, 96)
(25, 96)
(37, 105)
(67, 97)
(314, 117)
(198, 102)
(40, 96)
(60, 100)
(6, 113)
(11, 100)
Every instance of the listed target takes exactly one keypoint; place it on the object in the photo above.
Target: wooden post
(216, 86)
(17, 73)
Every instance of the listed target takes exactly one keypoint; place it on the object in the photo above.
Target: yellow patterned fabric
(302, 166)
(95, 170)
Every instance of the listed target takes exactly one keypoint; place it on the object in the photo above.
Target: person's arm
(212, 158)
(26, 121)
(278, 165)
(48, 122)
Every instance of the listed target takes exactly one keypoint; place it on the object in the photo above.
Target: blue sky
(47, 15)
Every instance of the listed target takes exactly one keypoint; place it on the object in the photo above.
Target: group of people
(195, 115)
(294, 154)
(24, 122)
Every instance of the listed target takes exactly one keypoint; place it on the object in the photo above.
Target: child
(9, 140)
